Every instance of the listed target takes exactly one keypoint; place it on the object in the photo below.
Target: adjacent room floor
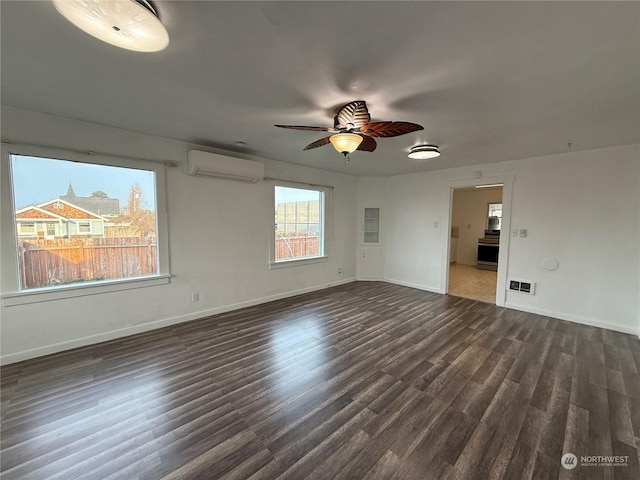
(365, 380)
(469, 282)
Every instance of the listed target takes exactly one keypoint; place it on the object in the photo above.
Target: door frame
(505, 232)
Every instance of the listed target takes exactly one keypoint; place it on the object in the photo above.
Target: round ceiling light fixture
(130, 24)
(422, 152)
(345, 143)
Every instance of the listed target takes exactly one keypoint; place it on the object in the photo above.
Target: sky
(37, 180)
(286, 194)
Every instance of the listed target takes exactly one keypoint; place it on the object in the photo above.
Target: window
(494, 221)
(51, 229)
(495, 210)
(299, 224)
(28, 228)
(89, 249)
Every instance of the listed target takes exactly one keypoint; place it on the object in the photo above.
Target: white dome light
(422, 152)
(130, 24)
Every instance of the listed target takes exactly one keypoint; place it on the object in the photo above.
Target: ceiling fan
(353, 129)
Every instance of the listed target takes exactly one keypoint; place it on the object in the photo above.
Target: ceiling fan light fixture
(423, 152)
(345, 143)
(129, 24)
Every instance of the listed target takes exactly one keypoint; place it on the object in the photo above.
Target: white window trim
(55, 228)
(47, 294)
(23, 232)
(84, 233)
(297, 262)
(326, 214)
(9, 279)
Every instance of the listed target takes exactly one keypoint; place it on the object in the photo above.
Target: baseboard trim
(165, 322)
(592, 322)
(418, 286)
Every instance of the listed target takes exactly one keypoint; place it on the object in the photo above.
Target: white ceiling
(488, 81)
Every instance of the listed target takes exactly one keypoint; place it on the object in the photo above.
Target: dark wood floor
(366, 380)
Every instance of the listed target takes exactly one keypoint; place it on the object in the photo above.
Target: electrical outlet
(523, 232)
(523, 287)
(195, 297)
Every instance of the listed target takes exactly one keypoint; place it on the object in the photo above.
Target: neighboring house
(98, 203)
(68, 216)
(58, 219)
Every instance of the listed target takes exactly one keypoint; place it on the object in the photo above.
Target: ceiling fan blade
(354, 114)
(317, 143)
(303, 127)
(389, 129)
(368, 144)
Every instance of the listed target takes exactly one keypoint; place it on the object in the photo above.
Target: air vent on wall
(220, 166)
(522, 287)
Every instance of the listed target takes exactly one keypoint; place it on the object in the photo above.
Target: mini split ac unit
(220, 166)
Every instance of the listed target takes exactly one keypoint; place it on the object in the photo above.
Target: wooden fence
(46, 263)
(296, 245)
(54, 262)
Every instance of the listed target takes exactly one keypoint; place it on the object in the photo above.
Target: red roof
(35, 213)
(67, 211)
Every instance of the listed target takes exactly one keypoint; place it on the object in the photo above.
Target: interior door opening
(474, 244)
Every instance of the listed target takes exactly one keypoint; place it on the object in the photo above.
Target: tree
(99, 194)
(135, 200)
(141, 221)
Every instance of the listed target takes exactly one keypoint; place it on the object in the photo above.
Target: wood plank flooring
(365, 380)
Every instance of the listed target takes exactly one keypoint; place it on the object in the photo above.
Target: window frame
(22, 232)
(82, 225)
(47, 230)
(326, 212)
(10, 292)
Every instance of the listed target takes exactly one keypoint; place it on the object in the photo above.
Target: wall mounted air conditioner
(221, 166)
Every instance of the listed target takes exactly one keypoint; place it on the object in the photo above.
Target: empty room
(289, 240)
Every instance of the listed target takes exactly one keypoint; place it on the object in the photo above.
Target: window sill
(60, 293)
(296, 263)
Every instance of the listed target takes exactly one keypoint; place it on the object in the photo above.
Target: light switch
(514, 232)
(435, 224)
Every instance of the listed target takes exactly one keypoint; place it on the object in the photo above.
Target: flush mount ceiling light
(422, 152)
(130, 24)
(345, 143)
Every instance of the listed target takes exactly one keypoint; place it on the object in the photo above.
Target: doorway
(474, 243)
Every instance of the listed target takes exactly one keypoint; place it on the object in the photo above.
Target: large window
(82, 223)
(299, 220)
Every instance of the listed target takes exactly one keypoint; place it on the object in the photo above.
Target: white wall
(470, 209)
(582, 208)
(219, 244)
